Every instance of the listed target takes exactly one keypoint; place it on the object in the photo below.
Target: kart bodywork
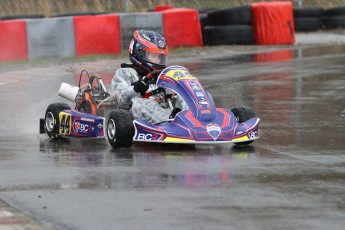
(78, 124)
(201, 123)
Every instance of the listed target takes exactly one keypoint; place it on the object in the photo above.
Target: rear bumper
(42, 126)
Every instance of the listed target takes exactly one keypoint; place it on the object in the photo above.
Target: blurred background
(48, 8)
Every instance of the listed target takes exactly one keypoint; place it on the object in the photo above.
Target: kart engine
(91, 98)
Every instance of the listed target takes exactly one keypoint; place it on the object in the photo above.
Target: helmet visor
(154, 56)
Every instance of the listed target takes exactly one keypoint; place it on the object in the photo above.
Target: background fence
(52, 7)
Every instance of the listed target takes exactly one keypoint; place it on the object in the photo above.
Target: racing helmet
(148, 51)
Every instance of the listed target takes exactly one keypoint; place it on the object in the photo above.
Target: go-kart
(87, 119)
(201, 123)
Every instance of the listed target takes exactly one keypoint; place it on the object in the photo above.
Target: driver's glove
(140, 86)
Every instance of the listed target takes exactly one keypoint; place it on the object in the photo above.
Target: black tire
(337, 11)
(120, 129)
(307, 24)
(207, 9)
(228, 35)
(242, 114)
(22, 16)
(240, 15)
(311, 12)
(333, 22)
(203, 19)
(51, 118)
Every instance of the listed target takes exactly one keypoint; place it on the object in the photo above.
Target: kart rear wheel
(242, 114)
(51, 118)
(120, 129)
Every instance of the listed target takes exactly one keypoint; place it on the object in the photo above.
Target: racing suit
(142, 108)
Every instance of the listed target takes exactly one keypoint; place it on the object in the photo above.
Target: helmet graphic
(148, 51)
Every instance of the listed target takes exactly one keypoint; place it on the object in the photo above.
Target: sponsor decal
(194, 84)
(146, 37)
(214, 130)
(65, 123)
(239, 133)
(200, 94)
(87, 119)
(195, 87)
(131, 46)
(82, 128)
(144, 134)
(161, 44)
(76, 126)
(253, 134)
(178, 74)
(205, 111)
(203, 101)
(148, 136)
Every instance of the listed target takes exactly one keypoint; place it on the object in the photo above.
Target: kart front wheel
(120, 129)
(242, 114)
(51, 119)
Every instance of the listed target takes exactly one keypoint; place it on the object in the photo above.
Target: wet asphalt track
(291, 178)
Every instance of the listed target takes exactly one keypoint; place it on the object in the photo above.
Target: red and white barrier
(182, 27)
(13, 42)
(273, 23)
(110, 33)
(162, 8)
(98, 34)
(51, 37)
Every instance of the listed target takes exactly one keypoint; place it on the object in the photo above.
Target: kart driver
(148, 52)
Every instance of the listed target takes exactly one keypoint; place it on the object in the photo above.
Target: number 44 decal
(65, 123)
